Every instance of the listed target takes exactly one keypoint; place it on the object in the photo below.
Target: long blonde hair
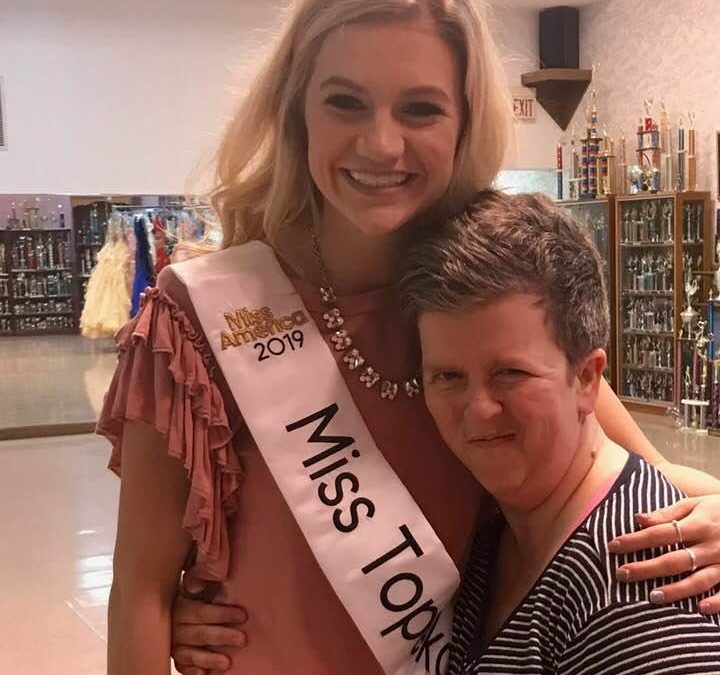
(263, 183)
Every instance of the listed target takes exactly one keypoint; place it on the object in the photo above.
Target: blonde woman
(265, 415)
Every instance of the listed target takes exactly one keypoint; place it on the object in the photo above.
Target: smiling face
(500, 391)
(383, 114)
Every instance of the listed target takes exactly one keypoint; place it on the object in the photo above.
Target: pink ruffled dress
(245, 536)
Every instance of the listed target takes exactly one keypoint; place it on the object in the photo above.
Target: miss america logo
(248, 326)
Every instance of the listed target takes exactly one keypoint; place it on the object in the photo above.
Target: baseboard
(46, 430)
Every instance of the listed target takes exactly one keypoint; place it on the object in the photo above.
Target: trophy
(667, 215)
(666, 153)
(695, 405)
(715, 395)
(636, 179)
(689, 315)
(680, 184)
(717, 274)
(691, 159)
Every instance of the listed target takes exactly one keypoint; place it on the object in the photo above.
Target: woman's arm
(621, 428)
(698, 518)
(150, 549)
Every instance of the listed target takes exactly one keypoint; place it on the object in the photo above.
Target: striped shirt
(577, 619)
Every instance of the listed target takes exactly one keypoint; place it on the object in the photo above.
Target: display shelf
(598, 217)
(647, 294)
(25, 298)
(645, 405)
(89, 226)
(25, 231)
(647, 244)
(34, 315)
(663, 240)
(649, 333)
(559, 90)
(34, 332)
(49, 270)
(649, 369)
(37, 263)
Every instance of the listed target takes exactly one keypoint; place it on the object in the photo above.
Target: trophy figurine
(695, 404)
(689, 315)
(717, 273)
(715, 396)
(667, 215)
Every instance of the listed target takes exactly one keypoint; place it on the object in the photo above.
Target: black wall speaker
(559, 44)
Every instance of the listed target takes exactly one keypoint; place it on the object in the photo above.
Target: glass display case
(36, 279)
(518, 181)
(598, 216)
(664, 242)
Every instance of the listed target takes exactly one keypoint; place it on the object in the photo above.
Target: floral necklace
(343, 342)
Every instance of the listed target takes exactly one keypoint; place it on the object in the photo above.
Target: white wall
(119, 97)
(517, 37)
(108, 97)
(661, 49)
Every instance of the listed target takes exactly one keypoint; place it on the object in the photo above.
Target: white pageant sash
(372, 541)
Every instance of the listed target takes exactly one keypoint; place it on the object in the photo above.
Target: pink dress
(245, 535)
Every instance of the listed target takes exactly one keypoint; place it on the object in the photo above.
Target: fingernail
(622, 575)
(240, 639)
(614, 546)
(704, 607)
(657, 598)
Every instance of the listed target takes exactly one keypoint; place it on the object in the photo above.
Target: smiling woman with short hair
(513, 320)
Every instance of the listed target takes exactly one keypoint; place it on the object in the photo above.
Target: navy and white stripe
(577, 619)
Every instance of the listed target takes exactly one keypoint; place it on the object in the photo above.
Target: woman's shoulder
(173, 288)
(585, 556)
(640, 488)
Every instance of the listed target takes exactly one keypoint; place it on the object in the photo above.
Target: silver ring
(676, 525)
(693, 558)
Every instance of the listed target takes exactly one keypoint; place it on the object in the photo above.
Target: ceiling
(542, 4)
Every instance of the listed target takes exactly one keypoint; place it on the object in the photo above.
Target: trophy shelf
(36, 294)
(559, 91)
(663, 240)
(89, 217)
(598, 217)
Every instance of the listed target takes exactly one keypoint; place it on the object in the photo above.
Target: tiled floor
(53, 379)
(58, 504)
(691, 449)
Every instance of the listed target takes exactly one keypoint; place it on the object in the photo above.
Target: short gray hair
(502, 245)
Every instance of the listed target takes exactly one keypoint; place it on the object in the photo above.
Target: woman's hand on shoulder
(694, 524)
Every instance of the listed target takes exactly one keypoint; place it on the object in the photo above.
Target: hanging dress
(162, 257)
(107, 300)
(144, 275)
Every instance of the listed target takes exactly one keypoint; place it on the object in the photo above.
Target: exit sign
(524, 107)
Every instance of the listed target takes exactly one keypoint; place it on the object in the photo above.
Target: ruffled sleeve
(164, 378)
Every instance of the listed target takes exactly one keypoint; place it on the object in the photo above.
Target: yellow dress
(107, 300)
